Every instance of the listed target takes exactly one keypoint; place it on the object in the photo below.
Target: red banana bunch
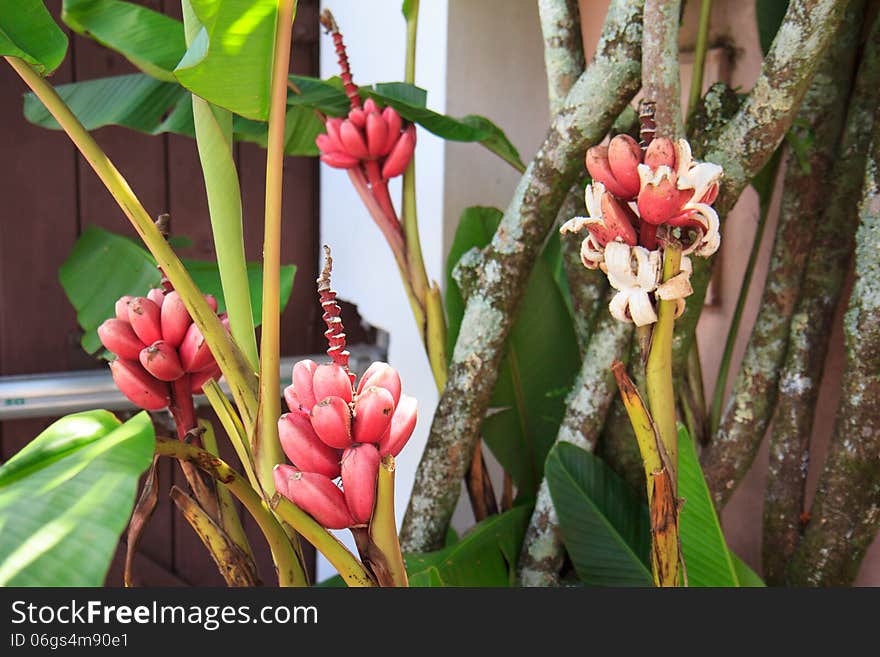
(334, 430)
(368, 134)
(158, 348)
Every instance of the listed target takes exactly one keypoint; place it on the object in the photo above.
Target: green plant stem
(696, 90)
(213, 132)
(412, 28)
(718, 395)
(350, 569)
(383, 528)
(266, 447)
(290, 570)
(658, 371)
(238, 373)
(233, 427)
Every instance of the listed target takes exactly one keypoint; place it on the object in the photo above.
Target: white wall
(364, 270)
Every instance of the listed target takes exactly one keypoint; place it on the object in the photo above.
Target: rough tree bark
(846, 511)
(563, 48)
(661, 82)
(820, 291)
(751, 402)
(498, 274)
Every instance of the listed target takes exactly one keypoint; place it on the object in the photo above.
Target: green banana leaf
(604, 524)
(104, 266)
(28, 31)
(66, 497)
(485, 556)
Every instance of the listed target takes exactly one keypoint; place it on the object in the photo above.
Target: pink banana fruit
(118, 336)
(174, 319)
(121, 307)
(358, 117)
(377, 134)
(315, 494)
(360, 470)
(199, 379)
(660, 152)
(383, 376)
(353, 140)
(372, 415)
(157, 296)
(331, 420)
(339, 160)
(299, 394)
(145, 318)
(330, 380)
(194, 352)
(399, 157)
(303, 447)
(624, 157)
(141, 389)
(394, 123)
(403, 422)
(212, 302)
(161, 360)
(332, 127)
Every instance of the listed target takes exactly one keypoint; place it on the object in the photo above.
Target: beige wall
(496, 68)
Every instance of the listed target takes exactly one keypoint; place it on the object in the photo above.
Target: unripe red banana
(199, 379)
(383, 376)
(624, 157)
(331, 420)
(332, 126)
(141, 389)
(118, 336)
(360, 470)
(600, 169)
(403, 422)
(399, 157)
(145, 318)
(661, 151)
(194, 352)
(303, 447)
(301, 392)
(394, 123)
(357, 117)
(340, 160)
(174, 319)
(377, 134)
(121, 307)
(370, 106)
(372, 415)
(353, 140)
(157, 296)
(315, 494)
(212, 302)
(324, 143)
(331, 380)
(161, 360)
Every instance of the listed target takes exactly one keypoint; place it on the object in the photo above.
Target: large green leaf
(706, 556)
(485, 556)
(142, 103)
(604, 524)
(541, 360)
(229, 63)
(149, 39)
(409, 101)
(66, 497)
(104, 266)
(769, 14)
(29, 32)
(747, 577)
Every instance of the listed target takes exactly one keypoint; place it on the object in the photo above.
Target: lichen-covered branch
(500, 271)
(751, 403)
(586, 408)
(660, 71)
(846, 511)
(563, 48)
(820, 291)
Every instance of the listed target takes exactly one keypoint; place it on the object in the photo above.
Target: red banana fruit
(212, 302)
(357, 117)
(315, 494)
(194, 352)
(624, 157)
(157, 296)
(353, 140)
(299, 393)
(199, 379)
(372, 415)
(330, 380)
(394, 123)
(399, 157)
(332, 127)
(122, 307)
(403, 422)
(331, 420)
(145, 318)
(303, 447)
(370, 106)
(360, 470)
(174, 319)
(161, 360)
(383, 376)
(339, 160)
(377, 134)
(141, 389)
(660, 152)
(118, 336)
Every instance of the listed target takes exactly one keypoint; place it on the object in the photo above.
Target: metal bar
(59, 393)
